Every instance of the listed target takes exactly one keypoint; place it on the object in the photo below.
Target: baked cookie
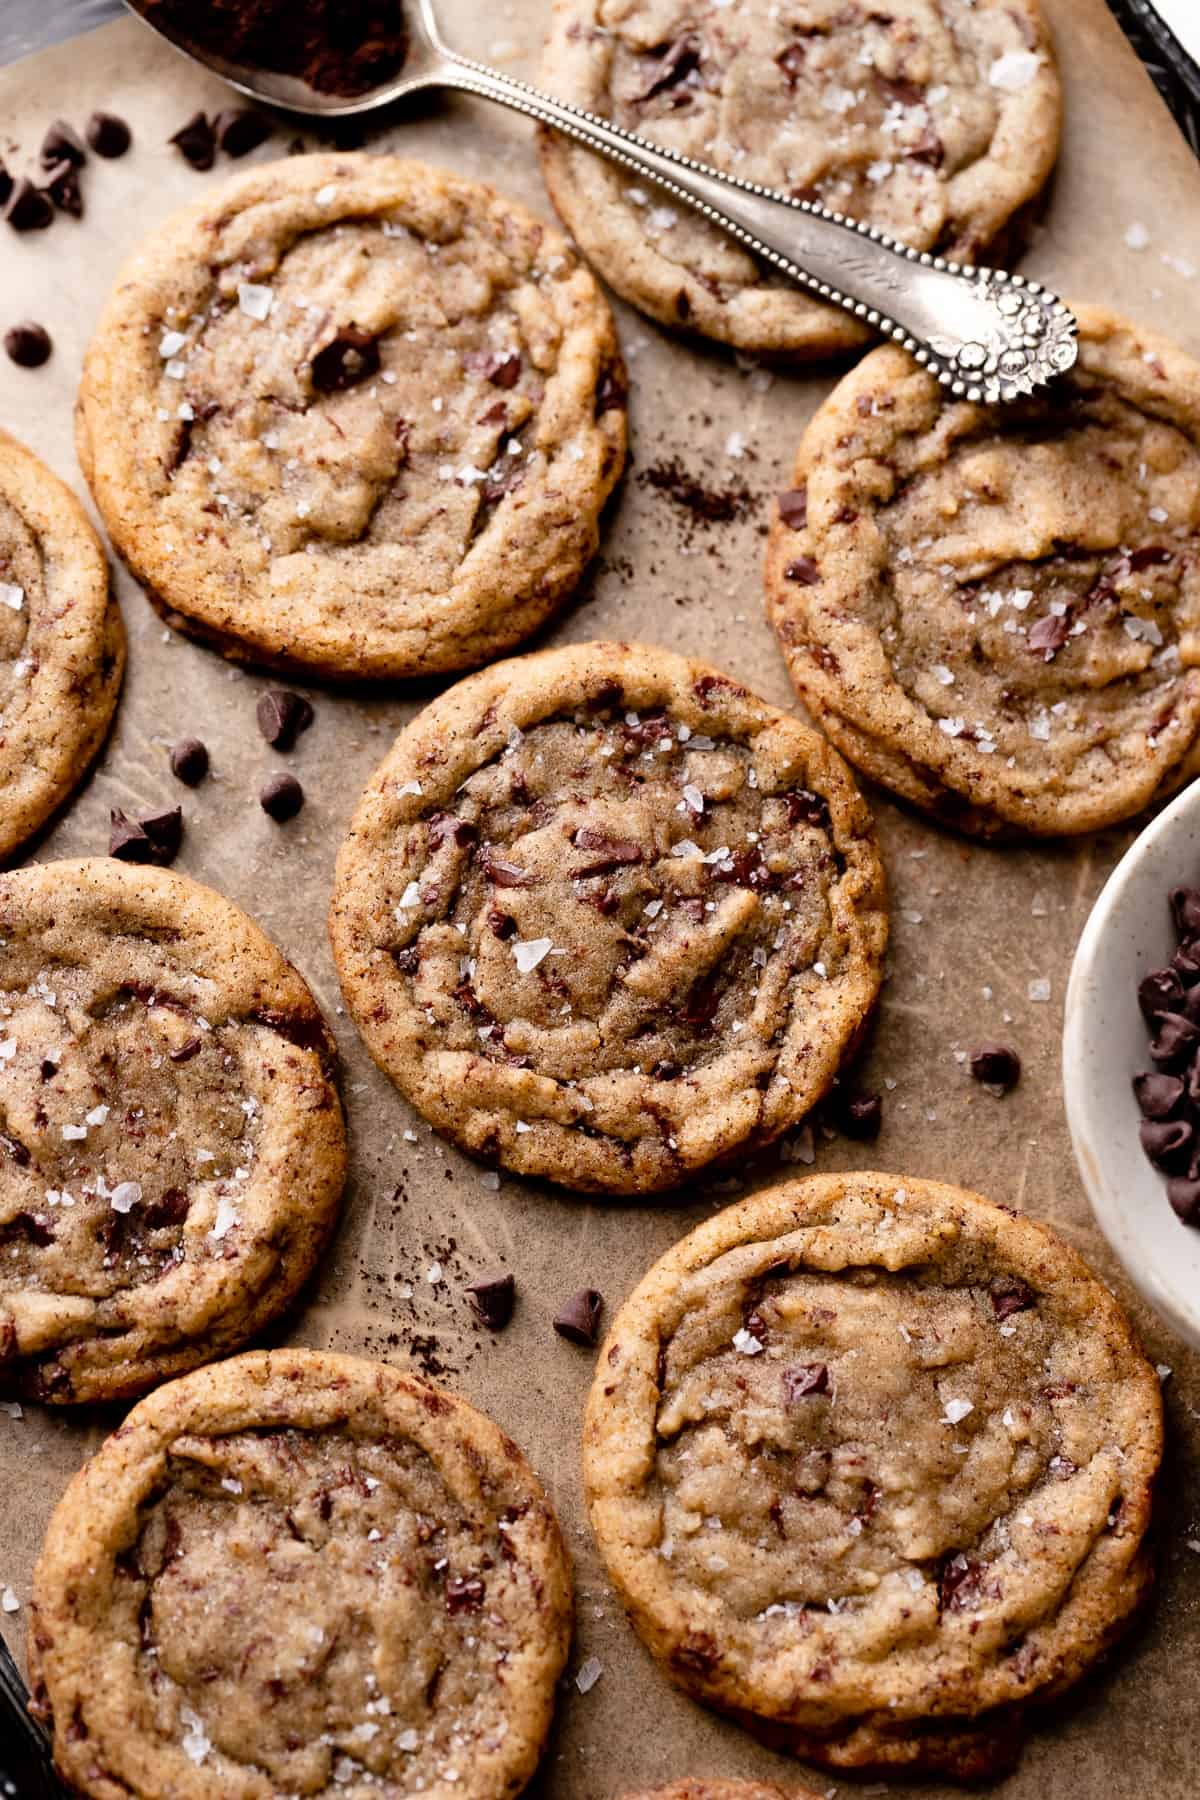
(605, 917)
(297, 1573)
(171, 1141)
(62, 649)
(870, 1460)
(355, 416)
(996, 613)
(934, 120)
(722, 1790)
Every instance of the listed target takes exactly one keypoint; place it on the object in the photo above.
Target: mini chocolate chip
(49, 1069)
(1192, 1081)
(281, 796)
(1157, 1095)
(189, 761)
(793, 508)
(107, 134)
(802, 570)
(1048, 635)
(858, 1115)
(1159, 992)
(493, 1297)
(62, 185)
(196, 142)
(612, 391)
(18, 1151)
(676, 61)
(1183, 1192)
(351, 356)
(1185, 904)
(28, 344)
(186, 1051)
(807, 808)
(502, 368)
(28, 208)
(171, 1209)
(1009, 1294)
(464, 1594)
(1166, 1141)
(165, 831)
(282, 716)
(1186, 964)
(240, 129)
(578, 1319)
(1177, 1038)
(445, 827)
(997, 1065)
(503, 874)
(804, 1379)
(62, 144)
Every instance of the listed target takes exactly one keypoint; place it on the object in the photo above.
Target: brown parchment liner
(969, 921)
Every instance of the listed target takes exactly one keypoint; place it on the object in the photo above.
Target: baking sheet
(973, 926)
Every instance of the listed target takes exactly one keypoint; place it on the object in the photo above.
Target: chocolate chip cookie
(605, 917)
(171, 1141)
(996, 613)
(297, 1573)
(870, 1462)
(355, 416)
(62, 649)
(933, 120)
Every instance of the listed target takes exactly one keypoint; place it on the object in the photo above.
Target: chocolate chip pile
(1169, 1094)
(30, 205)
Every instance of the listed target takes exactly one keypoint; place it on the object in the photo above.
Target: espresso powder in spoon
(344, 47)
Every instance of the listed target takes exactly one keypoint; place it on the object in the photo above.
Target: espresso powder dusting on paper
(341, 47)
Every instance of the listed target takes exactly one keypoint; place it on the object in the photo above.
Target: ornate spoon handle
(985, 334)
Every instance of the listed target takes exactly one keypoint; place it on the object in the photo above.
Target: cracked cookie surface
(297, 1573)
(62, 648)
(997, 613)
(172, 1150)
(605, 917)
(869, 1460)
(353, 415)
(933, 120)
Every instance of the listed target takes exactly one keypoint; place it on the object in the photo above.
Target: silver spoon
(987, 335)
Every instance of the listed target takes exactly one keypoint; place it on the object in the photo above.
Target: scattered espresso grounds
(344, 47)
(705, 505)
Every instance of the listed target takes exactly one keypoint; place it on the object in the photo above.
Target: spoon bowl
(426, 59)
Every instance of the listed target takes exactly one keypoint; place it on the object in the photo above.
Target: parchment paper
(966, 918)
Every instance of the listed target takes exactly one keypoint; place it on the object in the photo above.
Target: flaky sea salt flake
(529, 952)
(588, 1674)
(1014, 70)
(956, 1411)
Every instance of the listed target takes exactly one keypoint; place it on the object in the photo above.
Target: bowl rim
(1180, 1309)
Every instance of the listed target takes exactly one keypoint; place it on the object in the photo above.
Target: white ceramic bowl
(1130, 931)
